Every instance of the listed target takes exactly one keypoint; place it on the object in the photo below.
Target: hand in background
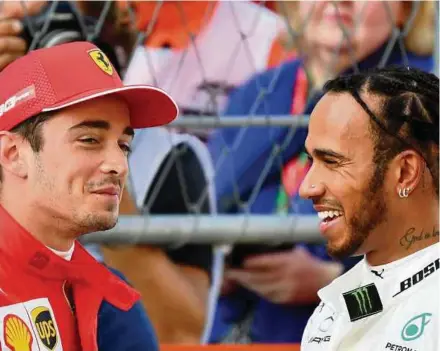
(288, 277)
(11, 45)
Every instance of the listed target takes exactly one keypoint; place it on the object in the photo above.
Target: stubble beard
(96, 222)
(80, 221)
(371, 212)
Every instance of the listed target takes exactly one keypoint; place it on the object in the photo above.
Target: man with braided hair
(373, 139)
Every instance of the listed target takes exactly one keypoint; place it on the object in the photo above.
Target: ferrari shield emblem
(101, 60)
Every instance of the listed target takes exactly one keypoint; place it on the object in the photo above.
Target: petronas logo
(415, 327)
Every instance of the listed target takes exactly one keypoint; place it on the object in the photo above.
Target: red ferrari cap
(64, 75)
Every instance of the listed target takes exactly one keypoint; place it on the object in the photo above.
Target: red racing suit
(37, 310)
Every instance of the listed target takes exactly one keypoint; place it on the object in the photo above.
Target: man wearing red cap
(66, 124)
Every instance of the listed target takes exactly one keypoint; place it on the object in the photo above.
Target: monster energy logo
(363, 302)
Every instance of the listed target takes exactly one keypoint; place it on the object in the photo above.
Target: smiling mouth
(329, 216)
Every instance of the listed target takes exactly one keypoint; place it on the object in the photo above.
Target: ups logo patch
(45, 326)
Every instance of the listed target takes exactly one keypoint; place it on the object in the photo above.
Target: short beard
(95, 223)
(371, 212)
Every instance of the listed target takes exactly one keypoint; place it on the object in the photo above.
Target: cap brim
(149, 106)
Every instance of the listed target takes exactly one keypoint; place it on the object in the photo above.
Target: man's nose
(310, 187)
(115, 162)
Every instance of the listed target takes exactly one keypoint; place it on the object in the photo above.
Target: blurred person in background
(374, 142)
(200, 50)
(172, 177)
(268, 297)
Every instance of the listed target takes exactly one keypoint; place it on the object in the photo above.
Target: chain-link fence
(235, 68)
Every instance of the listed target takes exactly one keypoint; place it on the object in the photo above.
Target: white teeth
(329, 214)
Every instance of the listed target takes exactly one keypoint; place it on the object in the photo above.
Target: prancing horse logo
(101, 61)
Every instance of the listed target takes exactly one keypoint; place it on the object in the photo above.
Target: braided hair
(407, 116)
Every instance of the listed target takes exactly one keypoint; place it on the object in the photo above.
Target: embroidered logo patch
(18, 337)
(101, 60)
(28, 326)
(363, 302)
(44, 324)
(415, 327)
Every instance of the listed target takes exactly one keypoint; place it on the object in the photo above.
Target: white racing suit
(391, 307)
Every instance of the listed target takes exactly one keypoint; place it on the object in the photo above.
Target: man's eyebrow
(321, 153)
(129, 131)
(100, 124)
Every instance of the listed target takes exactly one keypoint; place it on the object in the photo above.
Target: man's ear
(12, 158)
(409, 171)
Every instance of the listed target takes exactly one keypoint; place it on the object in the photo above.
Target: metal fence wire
(199, 52)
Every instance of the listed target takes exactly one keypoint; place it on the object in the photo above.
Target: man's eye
(126, 148)
(330, 162)
(89, 140)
